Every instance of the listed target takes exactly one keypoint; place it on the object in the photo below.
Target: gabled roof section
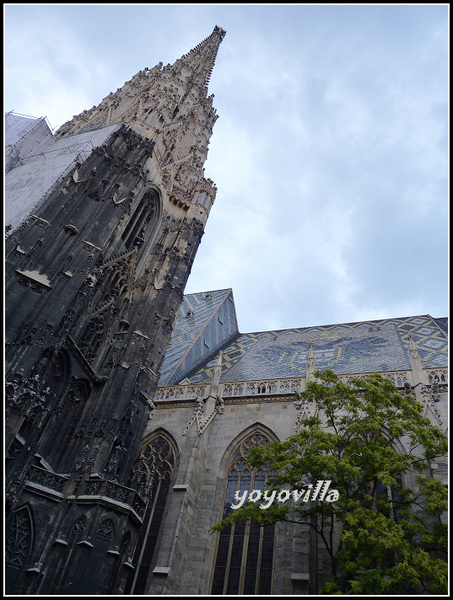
(442, 323)
(361, 347)
(206, 322)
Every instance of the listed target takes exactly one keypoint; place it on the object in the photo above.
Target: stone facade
(209, 404)
(103, 219)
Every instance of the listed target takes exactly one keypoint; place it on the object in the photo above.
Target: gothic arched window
(391, 494)
(92, 337)
(134, 233)
(153, 474)
(245, 551)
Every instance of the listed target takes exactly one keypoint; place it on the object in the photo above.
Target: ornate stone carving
(34, 281)
(27, 395)
(430, 395)
(18, 538)
(305, 410)
(207, 409)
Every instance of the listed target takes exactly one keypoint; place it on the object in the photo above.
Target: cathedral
(130, 407)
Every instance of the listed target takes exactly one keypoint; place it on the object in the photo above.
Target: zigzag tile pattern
(361, 347)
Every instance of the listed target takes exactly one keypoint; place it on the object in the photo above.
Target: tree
(383, 529)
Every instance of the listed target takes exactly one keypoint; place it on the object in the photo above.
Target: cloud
(330, 153)
(53, 72)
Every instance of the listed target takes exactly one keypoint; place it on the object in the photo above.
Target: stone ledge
(181, 487)
(161, 571)
(300, 576)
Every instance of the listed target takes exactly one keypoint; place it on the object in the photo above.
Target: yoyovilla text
(320, 493)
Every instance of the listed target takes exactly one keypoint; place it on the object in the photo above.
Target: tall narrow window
(202, 198)
(245, 551)
(92, 337)
(134, 233)
(154, 471)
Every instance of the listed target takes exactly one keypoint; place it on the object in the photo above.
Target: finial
(220, 30)
(217, 372)
(412, 347)
(418, 374)
(311, 356)
(311, 367)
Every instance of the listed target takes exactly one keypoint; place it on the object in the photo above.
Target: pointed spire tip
(220, 30)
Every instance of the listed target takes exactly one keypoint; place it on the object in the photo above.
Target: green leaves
(388, 535)
(436, 501)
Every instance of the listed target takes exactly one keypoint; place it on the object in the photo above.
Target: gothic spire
(169, 105)
(200, 60)
(151, 97)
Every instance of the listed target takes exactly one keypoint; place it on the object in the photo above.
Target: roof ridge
(200, 333)
(344, 323)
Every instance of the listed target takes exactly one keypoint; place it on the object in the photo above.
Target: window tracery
(18, 537)
(105, 530)
(92, 337)
(18, 543)
(79, 526)
(133, 234)
(245, 551)
(153, 474)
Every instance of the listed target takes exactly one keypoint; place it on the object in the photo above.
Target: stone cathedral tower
(104, 219)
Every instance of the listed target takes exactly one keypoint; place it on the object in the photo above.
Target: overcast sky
(330, 153)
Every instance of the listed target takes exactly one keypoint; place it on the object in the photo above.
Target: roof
(360, 347)
(206, 321)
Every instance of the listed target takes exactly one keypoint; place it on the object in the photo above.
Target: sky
(330, 154)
